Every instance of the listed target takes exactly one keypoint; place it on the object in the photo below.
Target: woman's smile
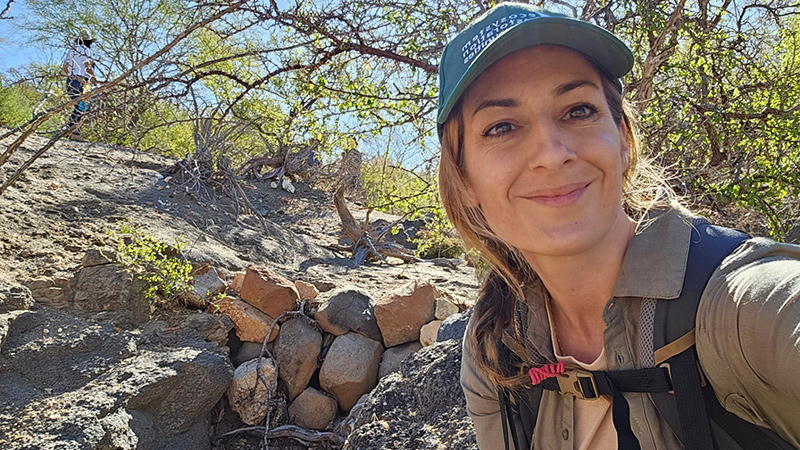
(560, 196)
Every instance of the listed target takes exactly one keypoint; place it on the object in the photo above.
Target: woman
(540, 171)
(79, 67)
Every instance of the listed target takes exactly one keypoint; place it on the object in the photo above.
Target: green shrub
(165, 272)
(16, 106)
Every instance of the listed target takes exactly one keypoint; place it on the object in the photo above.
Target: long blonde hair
(508, 271)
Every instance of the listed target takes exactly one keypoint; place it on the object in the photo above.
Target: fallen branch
(293, 431)
(366, 246)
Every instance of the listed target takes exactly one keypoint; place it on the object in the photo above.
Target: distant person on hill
(79, 67)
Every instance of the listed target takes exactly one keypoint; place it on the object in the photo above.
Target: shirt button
(565, 434)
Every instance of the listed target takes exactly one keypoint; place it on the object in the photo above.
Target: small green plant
(165, 272)
(438, 243)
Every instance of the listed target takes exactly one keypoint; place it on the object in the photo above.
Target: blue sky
(15, 51)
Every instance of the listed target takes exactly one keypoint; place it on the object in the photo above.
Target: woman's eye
(499, 129)
(582, 112)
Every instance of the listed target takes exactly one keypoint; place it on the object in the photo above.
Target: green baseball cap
(509, 27)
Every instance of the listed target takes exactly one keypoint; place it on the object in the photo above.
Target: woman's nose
(547, 148)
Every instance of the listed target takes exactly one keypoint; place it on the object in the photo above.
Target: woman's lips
(560, 196)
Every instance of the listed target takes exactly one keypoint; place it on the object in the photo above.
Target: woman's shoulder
(746, 334)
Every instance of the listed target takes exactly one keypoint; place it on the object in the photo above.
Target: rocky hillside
(365, 354)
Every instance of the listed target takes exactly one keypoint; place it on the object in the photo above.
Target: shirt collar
(655, 260)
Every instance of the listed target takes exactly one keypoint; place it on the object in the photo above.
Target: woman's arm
(748, 335)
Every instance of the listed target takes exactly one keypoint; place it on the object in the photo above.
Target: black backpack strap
(519, 410)
(693, 411)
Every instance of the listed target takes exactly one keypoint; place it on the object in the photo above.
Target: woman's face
(543, 157)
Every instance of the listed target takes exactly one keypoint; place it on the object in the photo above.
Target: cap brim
(610, 54)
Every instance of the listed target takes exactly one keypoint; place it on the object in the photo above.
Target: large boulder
(68, 382)
(402, 313)
(313, 409)
(349, 309)
(251, 324)
(420, 408)
(297, 350)
(394, 356)
(247, 393)
(268, 291)
(445, 308)
(454, 326)
(109, 287)
(350, 368)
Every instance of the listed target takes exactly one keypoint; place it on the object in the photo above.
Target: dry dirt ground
(69, 198)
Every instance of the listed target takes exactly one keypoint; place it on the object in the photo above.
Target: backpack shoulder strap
(519, 410)
(693, 411)
(673, 336)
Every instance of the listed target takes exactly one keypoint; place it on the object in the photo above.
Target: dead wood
(287, 163)
(366, 245)
(293, 431)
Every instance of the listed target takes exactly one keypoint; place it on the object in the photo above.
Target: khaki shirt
(748, 339)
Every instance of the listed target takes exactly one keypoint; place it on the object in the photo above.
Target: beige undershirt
(594, 424)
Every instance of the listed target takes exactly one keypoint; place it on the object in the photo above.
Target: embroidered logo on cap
(489, 33)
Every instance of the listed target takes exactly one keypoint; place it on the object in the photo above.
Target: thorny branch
(4, 12)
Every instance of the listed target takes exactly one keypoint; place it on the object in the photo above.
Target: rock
(251, 404)
(248, 351)
(428, 332)
(307, 291)
(206, 283)
(56, 293)
(454, 326)
(393, 356)
(402, 313)
(236, 283)
(421, 408)
(268, 291)
(251, 324)
(213, 327)
(297, 351)
(97, 256)
(313, 409)
(349, 309)
(83, 385)
(350, 368)
(108, 287)
(15, 298)
(445, 308)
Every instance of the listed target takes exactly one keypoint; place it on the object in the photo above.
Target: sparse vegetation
(166, 274)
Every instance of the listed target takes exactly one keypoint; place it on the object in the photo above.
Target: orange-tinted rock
(236, 283)
(307, 291)
(251, 324)
(269, 292)
(297, 350)
(401, 314)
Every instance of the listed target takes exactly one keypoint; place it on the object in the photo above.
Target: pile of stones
(328, 358)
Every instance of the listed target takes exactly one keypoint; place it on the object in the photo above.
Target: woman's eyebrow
(569, 86)
(504, 103)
